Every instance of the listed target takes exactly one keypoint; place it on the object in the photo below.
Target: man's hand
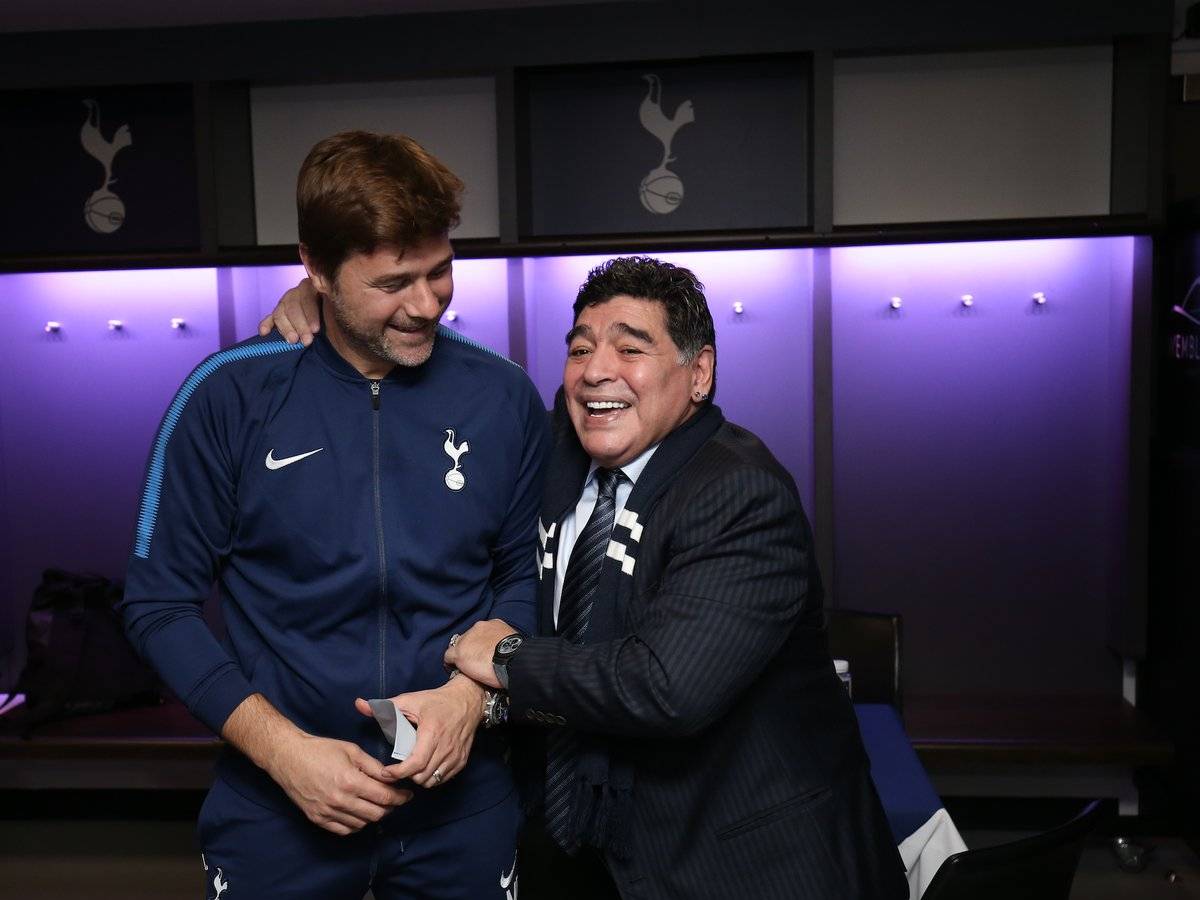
(472, 652)
(297, 315)
(335, 784)
(446, 719)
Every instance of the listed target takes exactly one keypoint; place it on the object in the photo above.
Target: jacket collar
(570, 463)
(676, 449)
(339, 366)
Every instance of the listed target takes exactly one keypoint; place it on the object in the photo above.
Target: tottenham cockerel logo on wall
(101, 169)
(661, 191)
(104, 212)
(664, 146)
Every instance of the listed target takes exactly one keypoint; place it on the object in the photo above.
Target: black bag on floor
(79, 660)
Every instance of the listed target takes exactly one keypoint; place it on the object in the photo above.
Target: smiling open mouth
(604, 407)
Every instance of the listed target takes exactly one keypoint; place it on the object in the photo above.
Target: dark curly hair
(689, 323)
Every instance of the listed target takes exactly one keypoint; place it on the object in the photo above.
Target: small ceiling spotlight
(738, 307)
(896, 303)
(1039, 298)
(451, 316)
(178, 324)
(968, 300)
(53, 327)
(115, 324)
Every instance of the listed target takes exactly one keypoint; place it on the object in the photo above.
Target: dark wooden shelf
(950, 731)
(947, 732)
(166, 732)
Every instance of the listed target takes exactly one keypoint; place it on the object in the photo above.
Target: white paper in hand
(397, 729)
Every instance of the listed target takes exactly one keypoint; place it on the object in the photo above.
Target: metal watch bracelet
(495, 708)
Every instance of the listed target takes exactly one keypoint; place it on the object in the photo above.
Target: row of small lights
(113, 325)
(968, 300)
(176, 323)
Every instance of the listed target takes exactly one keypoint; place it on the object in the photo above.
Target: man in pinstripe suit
(693, 739)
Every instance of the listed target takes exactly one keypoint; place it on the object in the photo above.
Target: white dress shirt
(583, 512)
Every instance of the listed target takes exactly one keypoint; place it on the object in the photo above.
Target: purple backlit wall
(980, 455)
(79, 410)
(979, 481)
(480, 298)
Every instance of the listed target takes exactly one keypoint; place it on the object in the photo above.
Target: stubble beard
(375, 343)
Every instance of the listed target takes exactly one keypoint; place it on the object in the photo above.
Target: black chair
(871, 644)
(1041, 867)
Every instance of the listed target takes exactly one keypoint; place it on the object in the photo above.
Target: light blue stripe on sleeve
(453, 335)
(152, 493)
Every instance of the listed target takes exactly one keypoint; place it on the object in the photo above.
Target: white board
(998, 135)
(455, 119)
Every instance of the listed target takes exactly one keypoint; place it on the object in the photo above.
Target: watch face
(509, 645)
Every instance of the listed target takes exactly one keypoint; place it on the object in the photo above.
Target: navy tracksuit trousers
(252, 852)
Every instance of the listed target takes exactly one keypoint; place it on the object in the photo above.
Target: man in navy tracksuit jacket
(357, 502)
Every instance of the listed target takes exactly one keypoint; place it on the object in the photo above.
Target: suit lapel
(564, 481)
(671, 456)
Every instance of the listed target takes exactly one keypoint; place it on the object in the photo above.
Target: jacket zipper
(379, 542)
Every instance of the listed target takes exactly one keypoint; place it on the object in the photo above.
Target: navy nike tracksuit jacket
(351, 527)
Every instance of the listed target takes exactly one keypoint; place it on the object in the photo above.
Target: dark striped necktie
(574, 611)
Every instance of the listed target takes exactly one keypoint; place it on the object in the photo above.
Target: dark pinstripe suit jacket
(750, 779)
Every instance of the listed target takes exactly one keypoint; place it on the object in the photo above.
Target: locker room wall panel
(11, 630)
(979, 463)
(80, 410)
(1127, 573)
(480, 298)
(454, 118)
(980, 456)
(256, 290)
(946, 137)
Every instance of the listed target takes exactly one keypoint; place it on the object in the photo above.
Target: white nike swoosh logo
(273, 463)
(506, 880)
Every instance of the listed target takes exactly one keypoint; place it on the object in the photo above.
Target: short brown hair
(358, 191)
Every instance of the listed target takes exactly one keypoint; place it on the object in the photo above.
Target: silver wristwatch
(505, 651)
(495, 708)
